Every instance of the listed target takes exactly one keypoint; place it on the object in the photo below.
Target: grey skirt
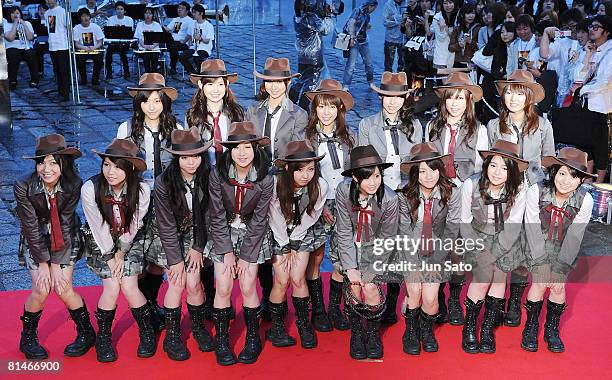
(425, 269)
(485, 262)
(26, 259)
(149, 242)
(238, 235)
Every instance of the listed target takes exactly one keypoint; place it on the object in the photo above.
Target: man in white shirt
(18, 36)
(120, 19)
(88, 39)
(180, 28)
(203, 35)
(55, 18)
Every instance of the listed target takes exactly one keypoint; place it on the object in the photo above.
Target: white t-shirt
(180, 27)
(125, 21)
(141, 28)
(87, 36)
(207, 31)
(56, 26)
(16, 43)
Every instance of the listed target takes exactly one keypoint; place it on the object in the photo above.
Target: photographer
(392, 20)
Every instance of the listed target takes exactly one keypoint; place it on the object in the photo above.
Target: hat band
(118, 152)
(573, 164)
(426, 156)
(394, 87)
(146, 86)
(214, 73)
(277, 73)
(301, 155)
(506, 152)
(187, 146)
(366, 161)
(241, 137)
(46, 152)
(457, 84)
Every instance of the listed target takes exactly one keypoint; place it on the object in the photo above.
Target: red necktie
(217, 132)
(117, 228)
(426, 233)
(57, 239)
(556, 218)
(450, 165)
(363, 222)
(241, 189)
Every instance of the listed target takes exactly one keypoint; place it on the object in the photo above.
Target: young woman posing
(240, 191)
(556, 217)
(297, 205)
(492, 209)
(115, 203)
(49, 244)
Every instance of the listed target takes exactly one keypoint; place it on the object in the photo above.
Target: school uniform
(223, 121)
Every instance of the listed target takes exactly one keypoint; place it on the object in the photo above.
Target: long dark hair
(197, 115)
(167, 121)
(469, 116)
(512, 185)
(466, 8)
(552, 173)
(406, 117)
(451, 18)
(531, 116)
(69, 174)
(285, 185)
(262, 94)
(132, 180)
(365, 173)
(313, 120)
(261, 162)
(411, 191)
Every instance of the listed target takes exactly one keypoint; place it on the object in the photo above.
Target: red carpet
(585, 328)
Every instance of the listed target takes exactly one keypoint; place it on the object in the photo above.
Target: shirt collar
(435, 194)
(251, 175)
(300, 192)
(40, 188)
(110, 193)
(284, 103)
(320, 130)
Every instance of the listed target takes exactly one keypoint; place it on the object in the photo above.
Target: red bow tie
(557, 214)
(241, 189)
(122, 203)
(363, 222)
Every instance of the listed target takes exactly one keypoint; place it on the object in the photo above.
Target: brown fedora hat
(276, 69)
(153, 82)
(53, 144)
(570, 157)
(392, 84)
(126, 149)
(298, 151)
(365, 156)
(333, 87)
(213, 68)
(506, 149)
(187, 142)
(424, 152)
(244, 131)
(524, 78)
(460, 80)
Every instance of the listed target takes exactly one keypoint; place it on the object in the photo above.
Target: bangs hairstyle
(313, 120)
(513, 181)
(132, 181)
(263, 94)
(406, 116)
(470, 122)
(167, 121)
(197, 115)
(261, 162)
(466, 9)
(531, 116)
(412, 190)
(285, 185)
(362, 174)
(69, 174)
(552, 173)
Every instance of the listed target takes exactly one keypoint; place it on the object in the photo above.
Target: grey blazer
(535, 146)
(291, 125)
(465, 155)
(371, 132)
(346, 152)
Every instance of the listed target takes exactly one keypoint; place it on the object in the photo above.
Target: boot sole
(412, 352)
(308, 346)
(77, 354)
(375, 356)
(486, 351)
(251, 361)
(359, 357)
(529, 349)
(147, 355)
(556, 351)
(224, 364)
(36, 357)
(430, 350)
(107, 360)
(470, 351)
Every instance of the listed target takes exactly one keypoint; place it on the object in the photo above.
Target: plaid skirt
(149, 242)
(425, 269)
(486, 261)
(133, 262)
(238, 235)
(26, 259)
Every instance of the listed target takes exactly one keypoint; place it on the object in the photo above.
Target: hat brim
(170, 91)
(548, 161)
(262, 141)
(138, 162)
(195, 78)
(281, 162)
(538, 90)
(345, 96)
(268, 77)
(389, 93)
(190, 152)
(522, 164)
(405, 166)
(474, 89)
(68, 151)
(382, 165)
